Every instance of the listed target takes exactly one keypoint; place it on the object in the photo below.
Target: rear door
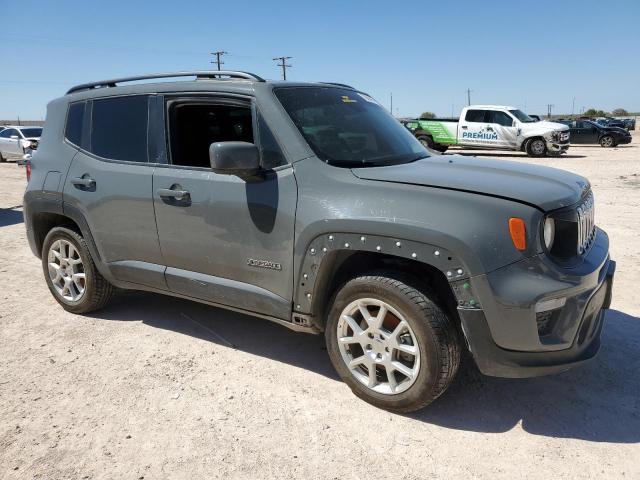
(110, 183)
(472, 129)
(226, 239)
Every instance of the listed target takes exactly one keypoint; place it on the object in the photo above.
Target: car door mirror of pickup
(235, 158)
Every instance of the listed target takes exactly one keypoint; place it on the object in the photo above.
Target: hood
(543, 187)
(619, 130)
(544, 124)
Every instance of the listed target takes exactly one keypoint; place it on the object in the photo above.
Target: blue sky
(514, 52)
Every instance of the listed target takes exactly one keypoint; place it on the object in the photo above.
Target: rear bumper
(510, 336)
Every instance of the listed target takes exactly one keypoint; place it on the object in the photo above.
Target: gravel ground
(154, 387)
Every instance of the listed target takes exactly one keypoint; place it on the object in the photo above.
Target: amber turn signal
(518, 233)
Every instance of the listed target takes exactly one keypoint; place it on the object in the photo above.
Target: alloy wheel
(66, 270)
(378, 346)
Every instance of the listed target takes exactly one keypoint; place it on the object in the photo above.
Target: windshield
(523, 117)
(347, 128)
(31, 132)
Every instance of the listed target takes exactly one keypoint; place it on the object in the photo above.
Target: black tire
(440, 148)
(607, 141)
(98, 291)
(436, 335)
(2, 159)
(427, 141)
(536, 147)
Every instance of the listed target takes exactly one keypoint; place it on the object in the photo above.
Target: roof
(495, 107)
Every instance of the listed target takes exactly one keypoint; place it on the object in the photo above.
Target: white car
(15, 141)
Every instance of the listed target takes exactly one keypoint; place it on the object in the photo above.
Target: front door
(110, 183)
(503, 127)
(225, 239)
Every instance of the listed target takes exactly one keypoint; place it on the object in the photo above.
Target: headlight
(549, 232)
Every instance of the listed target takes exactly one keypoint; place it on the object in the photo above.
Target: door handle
(464, 126)
(86, 182)
(177, 194)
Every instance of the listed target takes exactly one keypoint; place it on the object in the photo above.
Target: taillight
(28, 169)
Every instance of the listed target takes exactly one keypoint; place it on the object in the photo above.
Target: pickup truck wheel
(2, 159)
(427, 141)
(536, 147)
(391, 343)
(71, 274)
(607, 141)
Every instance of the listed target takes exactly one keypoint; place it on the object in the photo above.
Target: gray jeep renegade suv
(309, 205)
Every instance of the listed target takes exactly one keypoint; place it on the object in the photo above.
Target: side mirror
(234, 158)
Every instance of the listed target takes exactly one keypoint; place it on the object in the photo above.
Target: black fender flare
(317, 259)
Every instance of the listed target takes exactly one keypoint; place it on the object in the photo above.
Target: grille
(586, 224)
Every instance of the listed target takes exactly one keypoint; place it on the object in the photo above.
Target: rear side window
(75, 120)
(119, 128)
(475, 116)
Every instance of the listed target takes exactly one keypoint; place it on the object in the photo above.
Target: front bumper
(623, 140)
(505, 335)
(558, 147)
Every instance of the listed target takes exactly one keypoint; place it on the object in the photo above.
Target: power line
(218, 54)
(283, 64)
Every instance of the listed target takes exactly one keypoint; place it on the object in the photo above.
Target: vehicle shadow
(598, 402)
(476, 153)
(11, 216)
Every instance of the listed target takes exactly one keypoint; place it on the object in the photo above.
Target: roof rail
(199, 74)
(339, 85)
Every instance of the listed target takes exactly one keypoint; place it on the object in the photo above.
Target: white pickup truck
(493, 127)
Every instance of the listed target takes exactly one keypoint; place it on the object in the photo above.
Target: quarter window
(75, 120)
(119, 128)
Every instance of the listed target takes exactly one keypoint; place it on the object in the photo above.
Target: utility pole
(549, 107)
(391, 107)
(218, 54)
(283, 64)
(469, 97)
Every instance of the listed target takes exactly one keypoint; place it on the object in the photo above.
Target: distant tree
(592, 112)
(619, 112)
(427, 115)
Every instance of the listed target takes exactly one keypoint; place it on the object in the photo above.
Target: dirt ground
(155, 387)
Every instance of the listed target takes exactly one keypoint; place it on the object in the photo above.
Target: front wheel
(607, 141)
(391, 343)
(536, 147)
(426, 141)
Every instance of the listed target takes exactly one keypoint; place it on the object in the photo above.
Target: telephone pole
(283, 64)
(218, 54)
(391, 107)
(469, 97)
(549, 107)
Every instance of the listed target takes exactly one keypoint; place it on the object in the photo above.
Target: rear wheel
(391, 343)
(536, 147)
(427, 141)
(71, 274)
(2, 159)
(607, 141)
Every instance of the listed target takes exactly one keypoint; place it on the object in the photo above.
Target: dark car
(629, 123)
(589, 132)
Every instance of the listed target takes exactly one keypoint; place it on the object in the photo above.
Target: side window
(475, 116)
(271, 153)
(119, 128)
(500, 118)
(193, 127)
(8, 133)
(75, 120)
